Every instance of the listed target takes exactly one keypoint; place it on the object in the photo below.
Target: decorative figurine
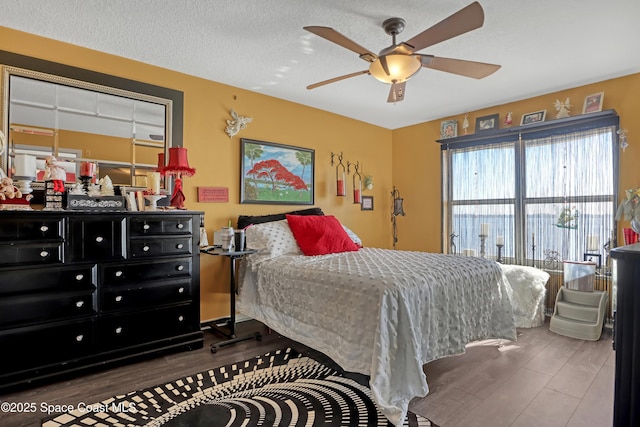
(55, 173)
(508, 119)
(78, 189)
(8, 190)
(106, 186)
(562, 108)
(237, 124)
(465, 123)
(94, 190)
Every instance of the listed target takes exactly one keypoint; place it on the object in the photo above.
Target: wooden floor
(543, 379)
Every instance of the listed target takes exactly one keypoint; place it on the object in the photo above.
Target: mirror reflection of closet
(78, 115)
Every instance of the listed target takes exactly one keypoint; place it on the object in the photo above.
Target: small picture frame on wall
(367, 203)
(448, 129)
(486, 123)
(535, 117)
(593, 103)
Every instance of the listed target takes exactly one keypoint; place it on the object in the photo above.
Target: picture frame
(486, 123)
(276, 174)
(367, 203)
(593, 103)
(535, 117)
(448, 129)
(595, 258)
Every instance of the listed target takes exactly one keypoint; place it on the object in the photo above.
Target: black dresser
(626, 335)
(82, 289)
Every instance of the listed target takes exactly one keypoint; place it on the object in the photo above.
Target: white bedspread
(381, 312)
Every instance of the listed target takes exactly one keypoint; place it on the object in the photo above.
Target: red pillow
(320, 235)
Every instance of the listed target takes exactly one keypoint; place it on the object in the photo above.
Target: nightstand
(229, 328)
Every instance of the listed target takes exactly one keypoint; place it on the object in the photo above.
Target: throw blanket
(380, 312)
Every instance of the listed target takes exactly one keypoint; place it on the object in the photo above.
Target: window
(548, 192)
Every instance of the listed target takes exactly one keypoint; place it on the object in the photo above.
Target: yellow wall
(411, 153)
(416, 155)
(216, 157)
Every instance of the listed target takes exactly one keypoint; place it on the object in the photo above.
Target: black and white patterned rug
(280, 388)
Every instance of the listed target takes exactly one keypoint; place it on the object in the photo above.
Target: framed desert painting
(277, 174)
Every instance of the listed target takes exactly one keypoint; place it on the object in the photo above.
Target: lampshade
(25, 166)
(401, 67)
(178, 163)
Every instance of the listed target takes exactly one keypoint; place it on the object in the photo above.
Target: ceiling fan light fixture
(401, 67)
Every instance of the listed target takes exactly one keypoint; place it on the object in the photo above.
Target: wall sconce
(341, 172)
(398, 209)
(357, 182)
(178, 166)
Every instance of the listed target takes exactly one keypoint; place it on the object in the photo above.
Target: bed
(378, 312)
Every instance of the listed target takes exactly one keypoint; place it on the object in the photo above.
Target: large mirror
(78, 115)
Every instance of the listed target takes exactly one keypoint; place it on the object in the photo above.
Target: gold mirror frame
(20, 65)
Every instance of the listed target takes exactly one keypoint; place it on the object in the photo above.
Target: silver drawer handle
(180, 290)
(118, 273)
(118, 330)
(79, 338)
(44, 254)
(145, 248)
(99, 239)
(180, 318)
(44, 228)
(180, 226)
(79, 304)
(118, 298)
(180, 246)
(180, 267)
(146, 227)
(79, 277)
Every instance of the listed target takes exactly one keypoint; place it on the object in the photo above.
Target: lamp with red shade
(178, 166)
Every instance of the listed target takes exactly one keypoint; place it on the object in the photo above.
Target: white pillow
(353, 236)
(271, 239)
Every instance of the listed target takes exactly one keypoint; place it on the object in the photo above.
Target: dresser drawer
(31, 280)
(122, 274)
(160, 225)
(45, 307)
(24, 348)
(96, 238)
(117, 331)
(152, 247)
(31, 253)
(12, 229)
(122, 298)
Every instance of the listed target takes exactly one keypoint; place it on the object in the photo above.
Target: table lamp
(178, 166)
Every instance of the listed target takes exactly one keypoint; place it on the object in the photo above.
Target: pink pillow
(320, 235)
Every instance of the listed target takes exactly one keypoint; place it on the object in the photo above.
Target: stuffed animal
(8, 190)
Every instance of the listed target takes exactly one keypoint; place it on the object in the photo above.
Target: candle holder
(533, 255)
(153, 201)
(483, 238)
(499, 259)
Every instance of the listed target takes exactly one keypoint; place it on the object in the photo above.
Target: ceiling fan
(395, 64)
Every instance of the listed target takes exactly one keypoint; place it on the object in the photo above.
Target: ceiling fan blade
(477, 70)
(396, 94)
(464, 20)
(337, 79)
(337, 38)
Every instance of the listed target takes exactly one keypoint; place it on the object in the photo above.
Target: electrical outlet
(87, 153)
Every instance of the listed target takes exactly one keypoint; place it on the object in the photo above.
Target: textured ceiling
(543, 46)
